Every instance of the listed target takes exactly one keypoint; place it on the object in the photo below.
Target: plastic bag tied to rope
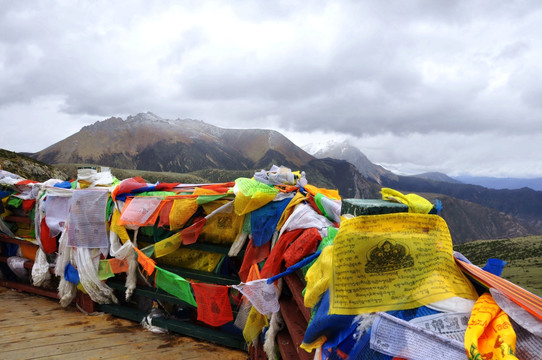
(416, 203)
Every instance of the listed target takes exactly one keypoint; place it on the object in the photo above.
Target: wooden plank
(286, 346)
(29, 288)
(72, 334)
(296, 287)
(296, 325)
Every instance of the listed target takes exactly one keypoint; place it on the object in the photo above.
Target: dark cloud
(393, 71)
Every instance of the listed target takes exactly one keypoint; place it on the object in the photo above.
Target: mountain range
(150, 143)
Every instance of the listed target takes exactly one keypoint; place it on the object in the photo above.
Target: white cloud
(462, 76)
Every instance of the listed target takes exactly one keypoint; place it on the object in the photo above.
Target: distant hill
(437, 176)
(501, 183)
(345, 151)
(475, 218)
(524, 204)
(29, 168)
(146, 142)
(149, 143)
(469, 221)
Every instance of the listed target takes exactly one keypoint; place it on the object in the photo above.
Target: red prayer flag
(214, 306)
(253, 255)
(272, 265)
(190, 234)
(48, 242)
(306, 244)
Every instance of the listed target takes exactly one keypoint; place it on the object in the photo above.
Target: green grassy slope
(523, 255)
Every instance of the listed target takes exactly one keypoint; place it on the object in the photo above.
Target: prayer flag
(147, 263)
(214, 306)
(263, 296)
(175, 285)
(48, 242)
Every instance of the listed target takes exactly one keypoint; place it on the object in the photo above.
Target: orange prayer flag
(147, 263)
(118, 266)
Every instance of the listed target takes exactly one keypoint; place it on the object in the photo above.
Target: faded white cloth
(395, 337)
(87, 261)
(95, 178)
(7, 178)
(16, 264)
(262, 296)
(304, 217)
(40, 269)
(56, 213)
(517, 313)
(87, 227)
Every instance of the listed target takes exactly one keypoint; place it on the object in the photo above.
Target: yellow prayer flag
(181, 211)
(254, 326)
(298, 198)
(168, 245)
(489, 334)
(318, 277)
(119, 229)
(394, 262)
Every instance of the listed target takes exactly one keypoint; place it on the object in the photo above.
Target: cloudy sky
(449, 86)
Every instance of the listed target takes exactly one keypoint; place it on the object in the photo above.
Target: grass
(523, 256)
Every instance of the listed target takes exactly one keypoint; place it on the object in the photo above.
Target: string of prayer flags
(174, 285)
(214, 306)
(146, 262)
(262, 296)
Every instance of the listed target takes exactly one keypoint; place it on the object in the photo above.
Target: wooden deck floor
(35, 327)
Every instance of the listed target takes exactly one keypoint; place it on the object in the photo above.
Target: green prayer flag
(148, 250)
(175, 285)
(204, 199)
(104, 270)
